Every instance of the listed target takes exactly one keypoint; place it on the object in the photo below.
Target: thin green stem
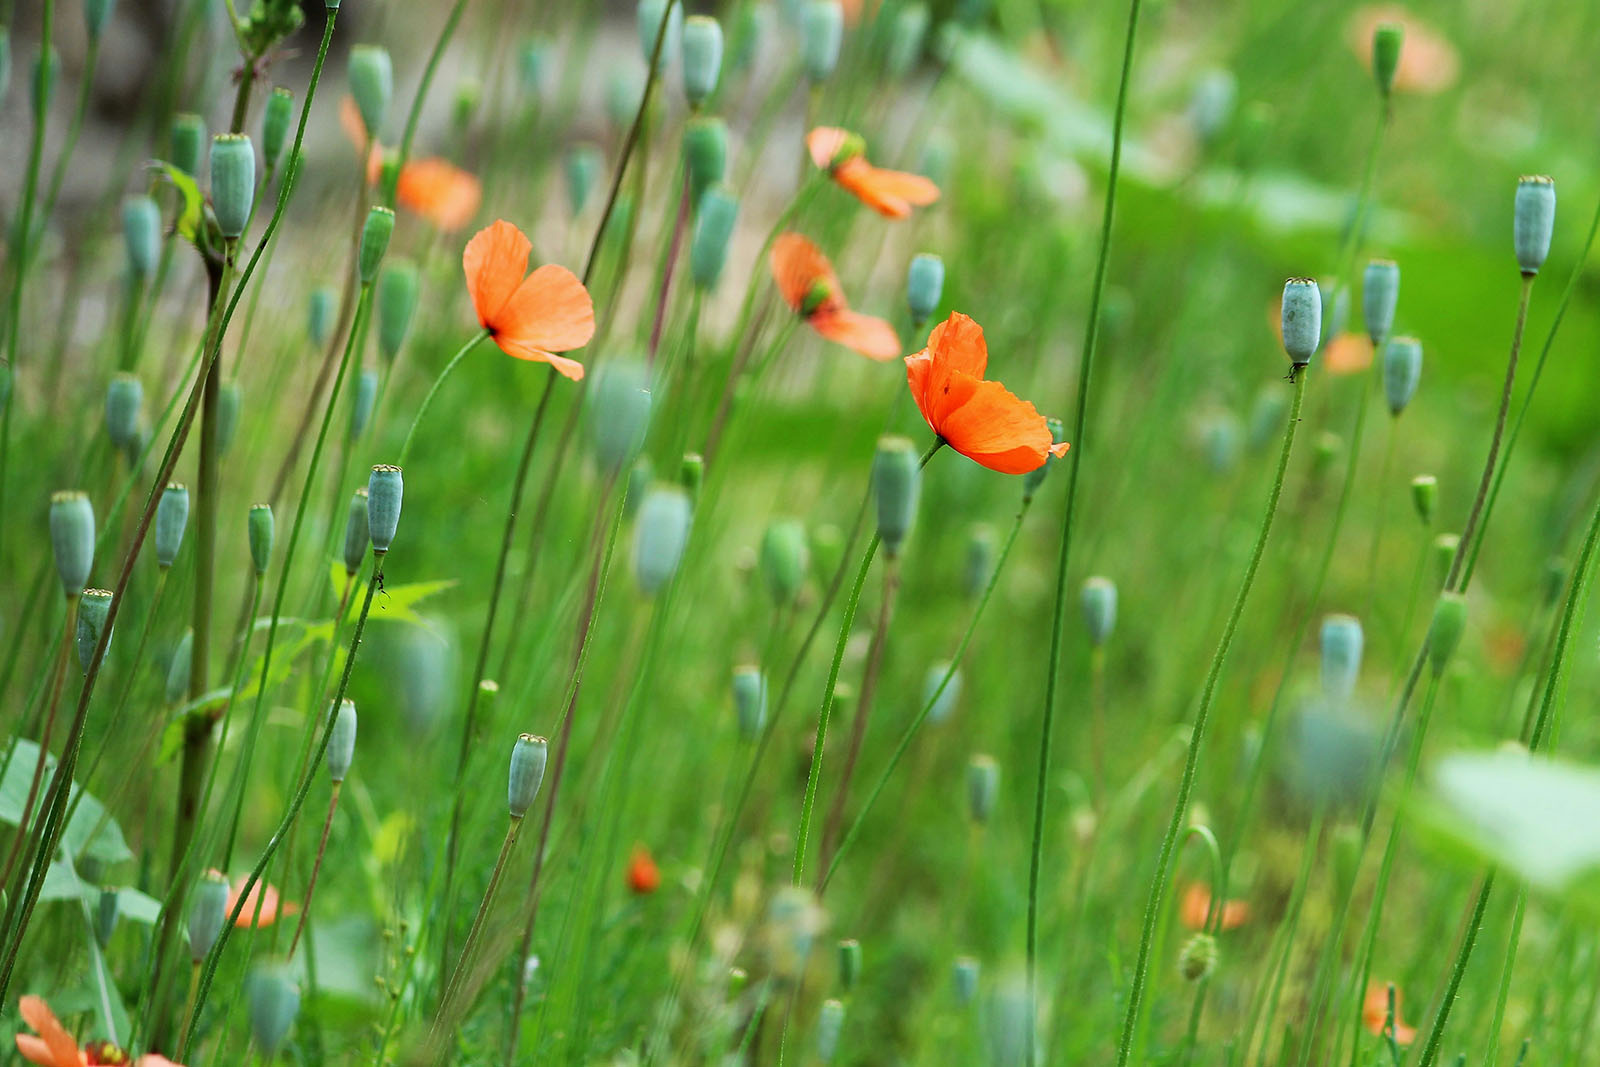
(453, 985)
(427, 401)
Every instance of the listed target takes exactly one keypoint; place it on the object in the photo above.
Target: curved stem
(427, 401)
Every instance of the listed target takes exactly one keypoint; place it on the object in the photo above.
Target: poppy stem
(58, 675)
(464, 961)
(316, 868)
(449, 368)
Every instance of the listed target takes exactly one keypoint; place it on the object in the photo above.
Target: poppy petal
(996, 428)
(872, 337)
(824, 143)
(270, 909)
(550, 311)
(888, 192)
(958, 343)
(154, 1059)
(914, 189)
(797, 265)
(494, 261)
(35, 1051)
(439, 191)
(59, 1048)
(351, 122)
(568, 368)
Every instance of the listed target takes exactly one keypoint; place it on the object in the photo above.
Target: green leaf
(392, 603)
(89, 833)
(188, 224)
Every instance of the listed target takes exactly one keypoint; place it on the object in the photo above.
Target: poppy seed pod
(93, 607)
(1387, 40)
(702, 57)
(124, 398)
(1035, 478)
(821, 35)
(141, 234)
(233, 181)
(319, 314)
(275, 125)
(1380, 293)
(983, 785)
(1198, 958)
(619, 411)
(1302, 319)
(342, 740)
(72, 538)
(178, 670)
(1220, 438)
(1341, 656)
(1099, 600)
(1425, 496)
(229, 400)
(385, 488)
(830, 1022)
(980, 561)
(910, 29)
(187, 138)
(260, 534)
(366, 395)
(1444, 633)
(849, 963)
(1444, 550)
(397, 303)
(940, 697)
(1402, 370)
(1533, 220)
(660, 535)
(649, 16)
(528, 757)
(375, 234)
(371, 75)
(172, 518)
(705, 154)
(356, 535)
(208, 911)
(1212, 103)
(750, 700)
(274, 1003)
(784, 559)
(896, 484)
(924, 286)
(717, 214)
(964, 979)
(533, 59)
(583, 170)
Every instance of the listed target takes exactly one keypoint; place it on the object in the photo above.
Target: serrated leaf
(392, 603)
(89, 833)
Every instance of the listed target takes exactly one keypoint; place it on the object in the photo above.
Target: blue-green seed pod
(1444, 633)
(1387, 40)
(749, 30)
(821, 35)
(924, 286)
(371, 76)
(1380, 294)
(366, 396)
(187, 138)
(1266, 417)
(106, 913)
(533, 62)
(1533, 220)
(619, 411)
(1341, 656)
(208, 911)
(398, 285)
(385, 489)
(1425, 497)
(1099, 600)
(1211, 106)
(342, 741)
(702, 57)
(274, 1003)
(1035, 478)
(661, 533)
(750, 701)
(964, 979)
(141, 234)
(178, 670)
(1402, 370)
(624, 89)
(260, 529)
(124, 399)
(906, 37)
(1221, 438)
(46, 73)
(784, 560)
(172, 519)
(584, 163)
(1198, 958)
(72, 538)
(1445, 547)
(93, 607)
(528, 758)
(275, 118)
(649, 18)
(375, 234)
(229, 400)
(233, 181)
(896, 485)
(983, 786)
(830, 1022)
(1012, 1022)
(941, 702)
(713, 231)
(980, 560)
(1302, 319)
(640, 475)
(320, 312)
(356, 534)
(705, 154)
(849, 963)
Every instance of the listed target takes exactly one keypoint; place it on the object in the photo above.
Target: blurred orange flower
(888, 192)
(643, 874)
(809, 286)
(434, 188)
(1428, 62)
(1347, 353)
(982, 420)
(531, 317)
(54, 1048)
(1375, 1014)
(267, 895)
(1196, 907)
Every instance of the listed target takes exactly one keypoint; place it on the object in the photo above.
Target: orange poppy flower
(267, 895)
(643, 874)
(809, 286)
(53, 1047)
(1347, 353)
(1375, 1014)
(531, 317)
(434, 188)
(982, 420)
(1428, 62)
(1195, 908)
(888, 192)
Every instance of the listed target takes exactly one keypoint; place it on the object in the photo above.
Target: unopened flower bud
(1445, 547)
(849, 963)
(528, 758)
(229, 401)
(366, 395)
(980, 560)
(319, 314)
(964, 978)
(906, 37)
(357, 535)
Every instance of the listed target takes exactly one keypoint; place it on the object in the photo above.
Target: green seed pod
(1341, 656)
(208, 911)
(980, 560)
(1380, 293)
(584, 163)
(274, 1003)
(178, 670)
(1035, 478)
(1302, 319)
(72, 538)
(469, 93)
(105, 916)
(924, 286)
(93, 607)
(1197, 960)
(229, 401)
(1099, 600)
(692, 475)
(124, 398)
(661, 533)
(533, 60)
(397, 303)
(849, 963)
(342, 741)
(830, 1022)
(714, 222)
(320, 312)
(46, 73)
(1211, 106)
(1266, 417)
(821, 35)
(1444, 633)
(1533, 220)
(172, 519)
(188, 138)
(375, 236)
(1402, 370)
(964, 975)
(702, 57)
(233, 181)
(983, 786)
(356, 534)
(827, 548)
(750, 701)
(260, 531)
(640, 475)
(906, 38)
(385, 489)
(705, 154)
(528, 758)
(1387, 40)
(649, 18)
(941, 703)
(619, 412)
(366, 395)
(784, 560)
(624, 88)
(1220, 436)
(371, 76)
(749, 29)
(275, 118)
(141, 234)
(896, 484)
(1445, 547)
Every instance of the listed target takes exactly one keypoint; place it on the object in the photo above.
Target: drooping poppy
(643, 874)
(434, 188)
(809, 286)
(983, 420)
(530, 317)
(888, 192)
(53, 1047)
(1375, 1014)
(267, 895)
(1195, 908)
